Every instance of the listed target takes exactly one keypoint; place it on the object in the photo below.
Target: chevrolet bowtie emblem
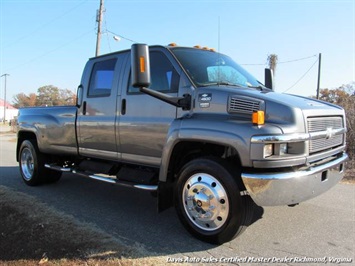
(329, 133)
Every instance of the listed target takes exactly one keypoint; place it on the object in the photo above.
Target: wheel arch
(21, 136)
(183, 152)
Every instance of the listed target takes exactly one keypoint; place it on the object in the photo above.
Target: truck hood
(281, 109)
(290, 100)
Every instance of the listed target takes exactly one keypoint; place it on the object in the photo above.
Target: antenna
(219, 48)
(219, 34)
(319, 64)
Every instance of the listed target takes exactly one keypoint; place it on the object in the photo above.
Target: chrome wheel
(205, 201)
(31, 162)
(27, 163)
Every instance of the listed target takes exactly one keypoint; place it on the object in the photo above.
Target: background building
(10, 113)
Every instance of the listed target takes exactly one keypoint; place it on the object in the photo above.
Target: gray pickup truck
(192, 127)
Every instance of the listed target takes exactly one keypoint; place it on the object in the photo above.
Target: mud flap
(165, 195)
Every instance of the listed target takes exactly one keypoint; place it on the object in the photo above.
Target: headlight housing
(268, 150)
(280, 149)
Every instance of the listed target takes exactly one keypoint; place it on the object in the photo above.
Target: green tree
(67, 97)
(48, 96)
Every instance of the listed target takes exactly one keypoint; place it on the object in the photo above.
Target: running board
(58, 168)
(102, 178)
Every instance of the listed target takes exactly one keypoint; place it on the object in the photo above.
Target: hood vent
(245, 105)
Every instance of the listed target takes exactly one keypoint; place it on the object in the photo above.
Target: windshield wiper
(220, 83)
(259, 87)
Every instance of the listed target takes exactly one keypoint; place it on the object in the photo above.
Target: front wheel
(208, 200)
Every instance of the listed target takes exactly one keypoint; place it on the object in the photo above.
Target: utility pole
(99, 20)
(318, 83)
(5, 75)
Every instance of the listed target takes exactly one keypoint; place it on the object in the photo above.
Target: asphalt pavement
(321, 230)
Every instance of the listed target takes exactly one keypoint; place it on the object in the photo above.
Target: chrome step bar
(58, 168)
(103, 178)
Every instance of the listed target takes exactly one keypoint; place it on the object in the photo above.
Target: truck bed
(54, 128)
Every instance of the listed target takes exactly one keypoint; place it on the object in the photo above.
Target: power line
(295, 60)
(282, 62)
(51, 51)
(45, 25)
(301, 77)
(253, 64)
(121, 36)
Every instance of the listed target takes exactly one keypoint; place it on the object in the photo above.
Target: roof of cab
(169, 46)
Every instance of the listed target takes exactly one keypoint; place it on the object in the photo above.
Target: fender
(54, 128)
(234, 133)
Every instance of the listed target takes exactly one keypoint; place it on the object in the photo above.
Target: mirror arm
(183, 102)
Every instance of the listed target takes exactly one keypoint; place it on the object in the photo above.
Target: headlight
(275, 149)
(283, 148)
(268, 150)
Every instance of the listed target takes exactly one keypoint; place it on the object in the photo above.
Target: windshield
(207, 68)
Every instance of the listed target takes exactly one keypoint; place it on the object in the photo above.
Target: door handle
(123, 107)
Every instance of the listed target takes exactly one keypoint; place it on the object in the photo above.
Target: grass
(31, 233)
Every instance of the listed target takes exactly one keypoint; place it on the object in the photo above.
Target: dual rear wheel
(32, 169)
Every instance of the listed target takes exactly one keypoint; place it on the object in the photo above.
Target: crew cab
(194, 128)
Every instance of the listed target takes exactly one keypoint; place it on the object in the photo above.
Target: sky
(47, 42)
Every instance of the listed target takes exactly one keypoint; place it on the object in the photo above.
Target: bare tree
(272, 61)
(48, 95)
(345, 97)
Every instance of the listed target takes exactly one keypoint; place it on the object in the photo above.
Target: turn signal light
(258, 118)
(142, 64)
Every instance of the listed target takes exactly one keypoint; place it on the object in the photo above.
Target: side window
(163, 75)
(101, 78)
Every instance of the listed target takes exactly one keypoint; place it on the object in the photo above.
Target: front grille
(244, 105)
(316, 124)
(325, 124)
(323, 143)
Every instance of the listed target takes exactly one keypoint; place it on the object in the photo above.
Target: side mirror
(79, 96)
(140, 65)
(269, 79)
(140, 72)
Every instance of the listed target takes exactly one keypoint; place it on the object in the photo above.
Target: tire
(31, 163)
(208, 201)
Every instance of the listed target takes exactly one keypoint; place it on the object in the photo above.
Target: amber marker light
(258, 118)
(142, 64)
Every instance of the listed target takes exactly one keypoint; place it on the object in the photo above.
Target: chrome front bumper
(287, 188)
